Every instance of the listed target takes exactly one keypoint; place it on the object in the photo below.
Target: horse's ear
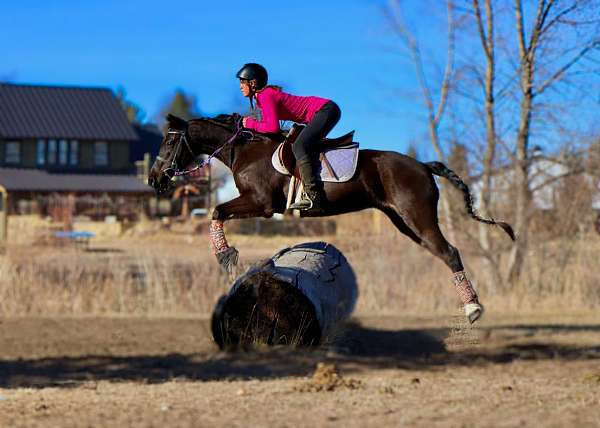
(176, 122)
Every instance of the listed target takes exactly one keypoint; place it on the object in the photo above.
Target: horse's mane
(228, 122)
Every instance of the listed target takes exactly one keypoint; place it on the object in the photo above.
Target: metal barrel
(296, 297)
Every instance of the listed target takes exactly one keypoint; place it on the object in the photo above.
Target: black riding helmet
(253, 71)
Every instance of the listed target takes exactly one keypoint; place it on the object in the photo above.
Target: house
(71, 148)
(547, 180)
(559, 187)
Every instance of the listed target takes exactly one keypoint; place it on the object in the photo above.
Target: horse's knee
(268, 212)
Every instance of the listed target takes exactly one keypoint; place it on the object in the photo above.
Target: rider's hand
(244, 119)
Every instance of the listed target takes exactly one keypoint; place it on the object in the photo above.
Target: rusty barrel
(294, 298)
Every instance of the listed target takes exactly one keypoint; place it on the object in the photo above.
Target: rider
(319, 114)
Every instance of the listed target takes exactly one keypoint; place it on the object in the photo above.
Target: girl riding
(319, 115)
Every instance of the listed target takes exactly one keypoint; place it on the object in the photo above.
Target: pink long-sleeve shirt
(277, 105)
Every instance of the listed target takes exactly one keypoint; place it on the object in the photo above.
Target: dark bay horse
(400, 186)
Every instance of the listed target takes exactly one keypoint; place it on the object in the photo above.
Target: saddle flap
(286, 156)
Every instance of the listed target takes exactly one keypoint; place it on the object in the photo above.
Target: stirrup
(303, 204)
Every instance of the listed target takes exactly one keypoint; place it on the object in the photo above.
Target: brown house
(64, 129)
(71, 149)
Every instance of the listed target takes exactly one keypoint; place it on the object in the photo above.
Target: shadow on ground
(103, 250)
(355, 348)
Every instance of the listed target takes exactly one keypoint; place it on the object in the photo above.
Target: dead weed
(327, 378)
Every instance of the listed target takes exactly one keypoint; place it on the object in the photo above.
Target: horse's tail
(441, 170)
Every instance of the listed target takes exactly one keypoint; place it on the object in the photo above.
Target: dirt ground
(156, 372)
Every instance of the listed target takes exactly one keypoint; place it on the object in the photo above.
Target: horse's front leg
(240, 207)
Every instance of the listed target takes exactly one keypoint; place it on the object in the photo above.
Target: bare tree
(435, 111)
(525, 86)
(485, 31)
(527, 91)
(536, 76)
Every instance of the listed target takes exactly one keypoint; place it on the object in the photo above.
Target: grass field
(118, 335)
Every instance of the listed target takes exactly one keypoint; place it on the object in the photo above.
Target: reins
(173, 171)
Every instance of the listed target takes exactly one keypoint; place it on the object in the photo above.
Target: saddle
(339, 157)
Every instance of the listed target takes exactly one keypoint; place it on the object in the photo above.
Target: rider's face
(245, 87)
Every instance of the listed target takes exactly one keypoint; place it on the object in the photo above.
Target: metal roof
(23, 180)
(28, 111)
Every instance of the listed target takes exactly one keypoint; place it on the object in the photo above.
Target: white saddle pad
(343, 163)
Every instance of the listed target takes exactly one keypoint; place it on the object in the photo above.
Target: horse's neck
(239, 153)
(245, 153)
(217, 138)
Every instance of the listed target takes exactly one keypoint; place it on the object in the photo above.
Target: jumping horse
(398, 185)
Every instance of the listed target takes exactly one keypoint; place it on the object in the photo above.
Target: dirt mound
(327, 378)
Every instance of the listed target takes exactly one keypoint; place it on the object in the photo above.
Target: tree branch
(415, 52)
(556, 178)
(449, 65)
(480, 29)
(558, 17)
(564, 68)
(540, 16)
(520, 29)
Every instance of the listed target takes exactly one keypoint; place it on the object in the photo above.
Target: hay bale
(294, 298)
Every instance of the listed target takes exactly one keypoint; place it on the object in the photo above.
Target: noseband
(173, 171)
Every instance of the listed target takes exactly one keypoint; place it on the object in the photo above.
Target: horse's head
(186, 140)
(174, 154)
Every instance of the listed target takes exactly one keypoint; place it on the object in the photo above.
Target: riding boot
(313, 197)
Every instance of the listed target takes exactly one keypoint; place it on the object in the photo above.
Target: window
(101, 153)
(41, 152)
(51, 156)
(74, 153)
(63, 152)
(13, 152)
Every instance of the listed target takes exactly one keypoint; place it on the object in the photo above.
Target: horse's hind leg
(423, 228)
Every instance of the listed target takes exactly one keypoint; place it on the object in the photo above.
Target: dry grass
(151, 271)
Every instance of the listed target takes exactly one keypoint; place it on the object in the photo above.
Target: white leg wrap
(468, 296)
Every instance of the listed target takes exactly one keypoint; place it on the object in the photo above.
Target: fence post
(3, 216)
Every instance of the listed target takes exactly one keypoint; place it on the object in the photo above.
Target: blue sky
(338, 49)
(334, 49)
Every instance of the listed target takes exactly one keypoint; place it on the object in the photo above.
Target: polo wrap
(217, 237)
(465, 289)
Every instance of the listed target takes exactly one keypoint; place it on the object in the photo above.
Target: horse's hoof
(228, 258)
(473, 311)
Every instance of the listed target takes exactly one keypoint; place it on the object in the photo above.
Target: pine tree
(459, 163)
(412, 151)
(135, 114)
(458, 160)
(182, 105)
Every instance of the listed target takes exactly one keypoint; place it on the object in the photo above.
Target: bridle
(173, 170)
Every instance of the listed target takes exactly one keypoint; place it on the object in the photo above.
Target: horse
(403, 188)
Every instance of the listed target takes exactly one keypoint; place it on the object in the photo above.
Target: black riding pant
(322, 122)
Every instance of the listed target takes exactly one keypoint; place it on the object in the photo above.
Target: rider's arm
(270, 121)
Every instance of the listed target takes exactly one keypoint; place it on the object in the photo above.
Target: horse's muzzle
(158, 186)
